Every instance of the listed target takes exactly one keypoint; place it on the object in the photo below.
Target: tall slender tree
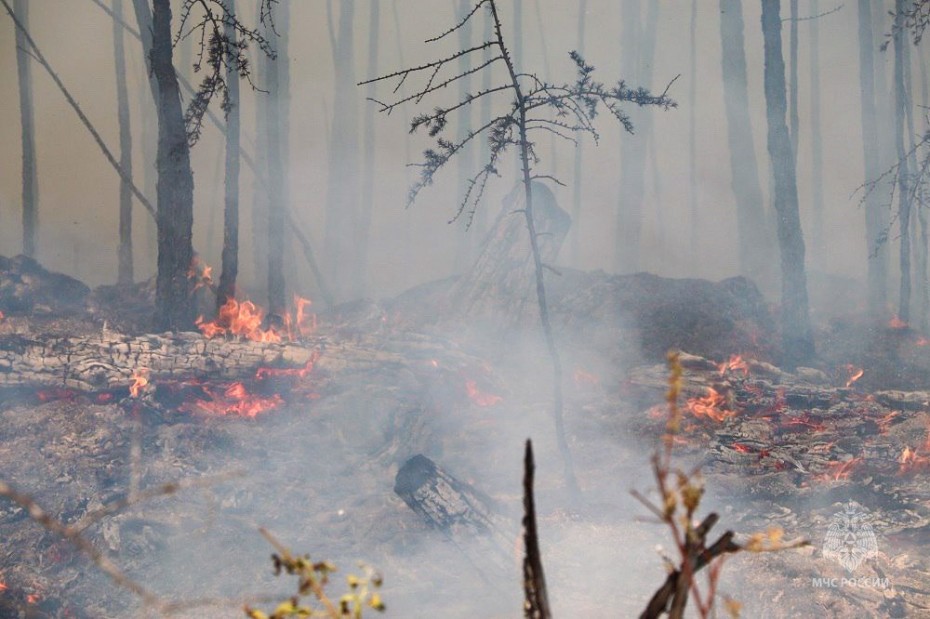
(229, 269)
(27, 122)
(125, 262)
(277, 127)
(462, 221)
(793, 112)
(899, 37)
(755, 246)
(816, 133)
(361, 277)
(797, 337)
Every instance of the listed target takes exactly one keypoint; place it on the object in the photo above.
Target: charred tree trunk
(173, 305)
(797, 337)
(342, 201)
(874, 212)
(755, 247)
(817, 206)
(27, 121)
(899, 36)
(230, 256)
(125, 264)
(361, 276)
(276, 126)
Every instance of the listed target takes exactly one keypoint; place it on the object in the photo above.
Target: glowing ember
(854, 375)
(897, 323)
(743, 449)
(838, 471)
(479, 397)
(234, 400)
(710, 406)
(885, 422)
(3, 586)
(140, 379)
(301, 372)
(32, 598)
(244, 319)
(733, 364)
(201, 273)
(584, 378)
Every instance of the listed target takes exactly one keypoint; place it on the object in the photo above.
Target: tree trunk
(361, 277)
(276, 126)
(125, 265)
(578, 182)
(27, 120)
(230, 259)
(817, 207)
(465, 164)
(875, 223)
(755, 247)
(342, 201)
(173, 304)
(899, 35)
(797, 338)
(260, 182)
(793, 114)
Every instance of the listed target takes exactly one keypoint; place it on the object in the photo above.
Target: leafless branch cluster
(222, 44)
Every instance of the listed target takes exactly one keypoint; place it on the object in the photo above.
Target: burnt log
(501, 283)
(464, 514)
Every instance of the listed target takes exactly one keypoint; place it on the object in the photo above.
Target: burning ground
(302, 427)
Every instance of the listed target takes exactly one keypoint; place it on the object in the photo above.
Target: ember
(733, 364)
(140, 379)
(233, 400)
(710, 406)
(201, 273)
(479, 397)
(854, 375)
(839, 471)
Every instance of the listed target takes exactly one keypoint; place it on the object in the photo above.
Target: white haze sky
(78, 189)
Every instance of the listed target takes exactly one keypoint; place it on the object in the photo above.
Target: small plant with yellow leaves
(680, 497)
(312, 580)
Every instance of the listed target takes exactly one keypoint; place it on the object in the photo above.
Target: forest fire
(735, 363)
(710, 406)
(233, 400)
(244, 319)
(140, 380)
(854, 375)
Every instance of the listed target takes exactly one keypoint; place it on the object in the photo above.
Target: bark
(342, 201)
(230, 255)
(797, 337)
(874, 211)
(899, 36)
(277, 126)
(173, 306)
(577, 183)
(125, 264)
(817, 206)
(30, 192)
(755, 247)
(361, 277)
(535, 594)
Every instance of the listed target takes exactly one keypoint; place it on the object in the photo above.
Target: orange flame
(854, 375)
(733, 364)
(3, 586)
(743, 449)
(584, 378)
(244, 319)
(837, 471)
(234, 400)
(479, 397)
(710, 406)
(32, 598)
(140, 380)
(201, 273)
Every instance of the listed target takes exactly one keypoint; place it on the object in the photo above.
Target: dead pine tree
(526, 106)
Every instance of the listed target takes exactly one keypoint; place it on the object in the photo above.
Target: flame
(201, 273)
(897, 323)
(32, 598)
(234, 400)
(734, 363)
(301, 372)
(244, 319)
(743, 449)
(837, 471)
(3, 586)
(479, 397)
(854, 374)
(709, 406)
(885, 422)
(140, 379)
(584, 378)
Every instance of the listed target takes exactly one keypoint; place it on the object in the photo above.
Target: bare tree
(27, 121)
(535, 106)
(899, 37)
(797, 338)
(230, 256)
(125, 264)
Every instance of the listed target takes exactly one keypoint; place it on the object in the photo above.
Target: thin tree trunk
(173, 306)
(230, 256)
(874, 212)
(362, 276)
(480, 222)
(797, 337)
(918, 232)
(793, 114)
(464, 252)
(125, 264)
(899, 36)
(577, 184)
(27, 122)
(277, 125)
(817, 206)
(342, 202)
(261, 187)
(924, 224)
(692, 138)
(755, 248)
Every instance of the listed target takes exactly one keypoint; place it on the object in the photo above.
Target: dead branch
(536, 598)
